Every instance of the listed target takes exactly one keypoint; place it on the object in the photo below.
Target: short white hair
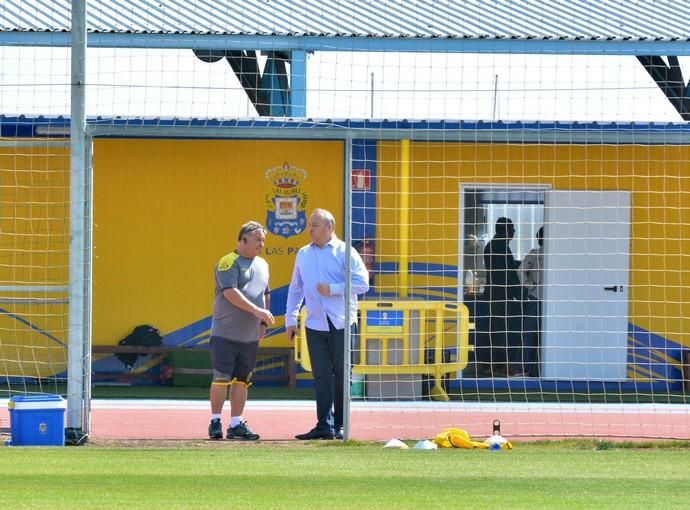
(325, 215)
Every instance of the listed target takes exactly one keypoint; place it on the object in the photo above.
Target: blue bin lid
(34, 402)
(36, 398)
(28, 402)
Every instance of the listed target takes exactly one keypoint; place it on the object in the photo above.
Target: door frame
(463, 188)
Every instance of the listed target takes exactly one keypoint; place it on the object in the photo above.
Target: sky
(174, 83)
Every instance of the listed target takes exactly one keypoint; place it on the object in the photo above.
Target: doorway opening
(481, 205)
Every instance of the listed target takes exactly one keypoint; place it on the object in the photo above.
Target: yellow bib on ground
(457, 438)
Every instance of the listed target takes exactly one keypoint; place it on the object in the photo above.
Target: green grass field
(558, 475)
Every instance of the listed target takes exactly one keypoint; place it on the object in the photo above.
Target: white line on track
(412, 407)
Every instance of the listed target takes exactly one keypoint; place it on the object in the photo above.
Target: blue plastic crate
(37, 420)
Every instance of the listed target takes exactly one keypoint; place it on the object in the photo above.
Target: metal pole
(495, 101)
(298, 84)
(348, 283)
(371, 97)
(87, 310)
(78, 283)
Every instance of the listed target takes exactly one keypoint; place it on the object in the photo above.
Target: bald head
(321, 227)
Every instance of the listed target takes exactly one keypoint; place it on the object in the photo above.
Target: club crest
(286, 202)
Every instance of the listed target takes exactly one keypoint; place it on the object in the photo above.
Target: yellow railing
(396, 338)
(300, 341)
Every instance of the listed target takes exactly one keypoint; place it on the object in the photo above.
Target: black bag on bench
(141, 336)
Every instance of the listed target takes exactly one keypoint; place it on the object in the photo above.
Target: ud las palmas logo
(287, 201)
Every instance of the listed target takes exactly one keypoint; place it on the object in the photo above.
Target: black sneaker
(316, 433)
(242, 432)
(215, 429)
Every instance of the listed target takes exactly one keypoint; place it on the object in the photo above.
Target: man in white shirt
(532, 276)
(318, 280)
(531, 269)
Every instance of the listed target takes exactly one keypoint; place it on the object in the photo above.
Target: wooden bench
(286, 354)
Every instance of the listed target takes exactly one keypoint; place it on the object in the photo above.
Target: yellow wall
(657, 176)
(167, 210)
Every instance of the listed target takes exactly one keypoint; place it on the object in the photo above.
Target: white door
(585, 309)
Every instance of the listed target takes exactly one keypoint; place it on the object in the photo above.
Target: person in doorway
(503, 292)
(241, 312)
(531, 274)
(318, 280)
(367, 251)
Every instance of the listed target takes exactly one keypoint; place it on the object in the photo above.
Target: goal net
(523, 218)
(561, 254)
(34, 242)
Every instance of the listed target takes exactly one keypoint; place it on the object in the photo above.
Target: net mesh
(585, 336)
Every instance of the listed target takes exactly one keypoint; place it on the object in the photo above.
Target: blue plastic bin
(37, 420)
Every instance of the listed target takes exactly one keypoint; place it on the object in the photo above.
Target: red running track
(281, 420)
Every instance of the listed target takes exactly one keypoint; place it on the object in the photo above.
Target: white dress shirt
(325, 265)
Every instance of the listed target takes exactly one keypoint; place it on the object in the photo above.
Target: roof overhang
(342, 129)
(352, 43)
(618, 27)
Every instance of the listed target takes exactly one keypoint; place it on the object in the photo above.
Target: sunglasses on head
(251, 228)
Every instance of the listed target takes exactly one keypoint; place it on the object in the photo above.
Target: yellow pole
(437, 391)
(404, 227)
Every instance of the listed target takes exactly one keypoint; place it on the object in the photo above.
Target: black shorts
(232, 360)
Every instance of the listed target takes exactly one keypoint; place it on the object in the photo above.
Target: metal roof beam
(245, 64)
(670, 80)
(270, 91)
(274, 83)
(355, 44)
(513, 135)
